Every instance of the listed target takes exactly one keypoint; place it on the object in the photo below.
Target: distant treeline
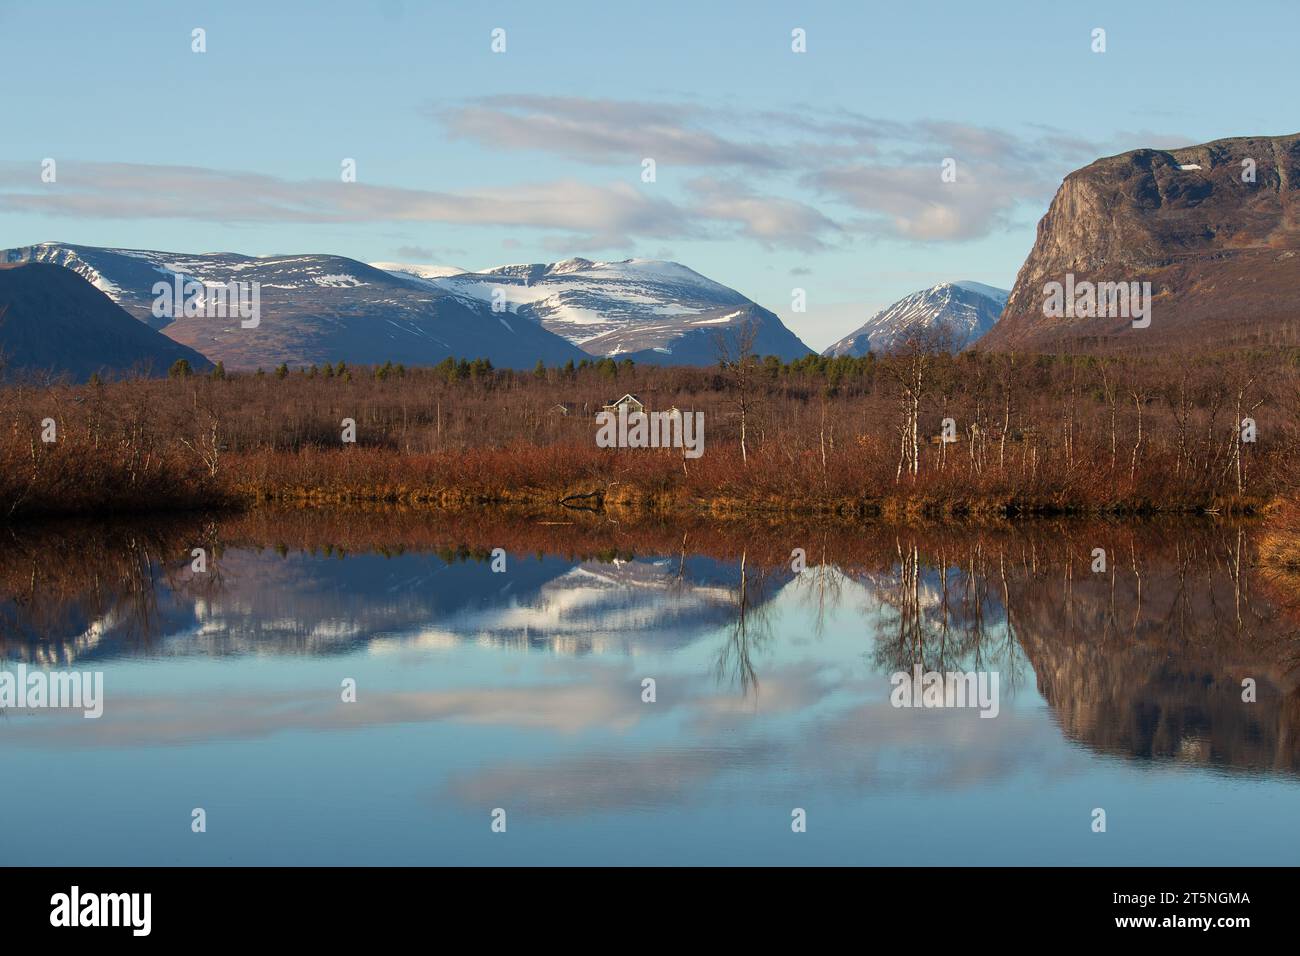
(453, 369)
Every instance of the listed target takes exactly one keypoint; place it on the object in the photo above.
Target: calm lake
(517, 681)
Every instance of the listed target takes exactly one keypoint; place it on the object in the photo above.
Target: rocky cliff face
(1214, 228)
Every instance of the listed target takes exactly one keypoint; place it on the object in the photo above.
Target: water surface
(522, 690)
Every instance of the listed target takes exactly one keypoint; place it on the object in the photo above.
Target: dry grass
(1279, 548)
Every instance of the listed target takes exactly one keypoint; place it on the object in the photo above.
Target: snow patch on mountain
(420, 271)
(338, 281)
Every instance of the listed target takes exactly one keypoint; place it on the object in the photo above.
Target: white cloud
(602, 131)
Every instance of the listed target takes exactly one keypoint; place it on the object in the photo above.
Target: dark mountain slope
(53, 320)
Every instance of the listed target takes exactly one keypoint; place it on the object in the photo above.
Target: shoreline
(630, 501)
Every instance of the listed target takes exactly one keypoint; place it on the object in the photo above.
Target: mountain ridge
(315, 308)
(650, 310)
(961, 311)
(319, 308)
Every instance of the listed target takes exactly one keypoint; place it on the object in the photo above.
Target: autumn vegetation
(915, 433)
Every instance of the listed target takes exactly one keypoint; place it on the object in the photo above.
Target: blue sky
(774, 169)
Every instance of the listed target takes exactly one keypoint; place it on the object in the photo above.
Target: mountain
(402, 270)
(646, 309)
(313, 309)
(960, 312)
(1219, 249)
(52, 320)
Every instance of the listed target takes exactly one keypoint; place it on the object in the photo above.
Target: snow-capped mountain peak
(956, 314)
(986, 290)
(650, 309)
(576, 264)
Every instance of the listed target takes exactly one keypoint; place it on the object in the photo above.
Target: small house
(633, 404)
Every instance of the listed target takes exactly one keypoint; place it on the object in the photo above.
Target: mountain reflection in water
(772, 683)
